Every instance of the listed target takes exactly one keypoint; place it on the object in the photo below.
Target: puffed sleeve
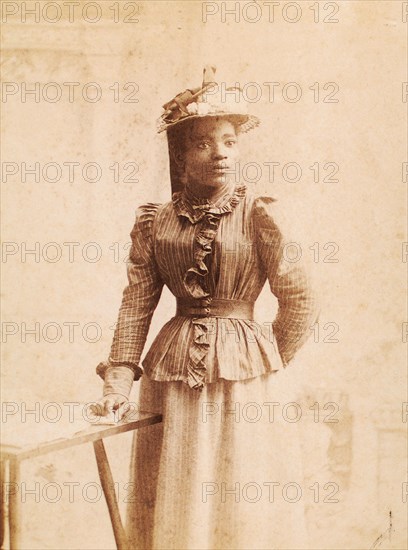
(282, 259)
(140, 297)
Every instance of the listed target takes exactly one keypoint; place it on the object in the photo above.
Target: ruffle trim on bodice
(195, 284)
(198, 209)
(196, 367)
(194, 278)
(194, 208)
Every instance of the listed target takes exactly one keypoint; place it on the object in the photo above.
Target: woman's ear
(179, 158)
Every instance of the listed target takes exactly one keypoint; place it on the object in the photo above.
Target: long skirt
(222, 471)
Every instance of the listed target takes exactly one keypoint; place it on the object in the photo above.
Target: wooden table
(12, 455)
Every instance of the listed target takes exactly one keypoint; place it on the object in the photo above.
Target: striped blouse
(226, 250)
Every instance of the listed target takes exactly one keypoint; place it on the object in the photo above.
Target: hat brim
(245, 122)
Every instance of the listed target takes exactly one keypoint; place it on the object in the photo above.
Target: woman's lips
(220, 169)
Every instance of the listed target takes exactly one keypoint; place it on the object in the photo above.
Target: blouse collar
(194, 208)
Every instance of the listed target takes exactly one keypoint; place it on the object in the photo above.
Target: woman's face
(211, 152)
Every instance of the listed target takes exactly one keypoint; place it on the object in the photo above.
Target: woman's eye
(230, 142)
(203, 145)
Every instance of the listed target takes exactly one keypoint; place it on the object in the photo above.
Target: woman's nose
(219, 152)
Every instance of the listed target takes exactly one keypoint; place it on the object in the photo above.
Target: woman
(212, 474)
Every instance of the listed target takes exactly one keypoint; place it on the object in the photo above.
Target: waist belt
(215, 307)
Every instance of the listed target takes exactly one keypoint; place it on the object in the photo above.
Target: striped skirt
(222, 471)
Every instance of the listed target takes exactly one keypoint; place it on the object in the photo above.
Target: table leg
(3, 502)
(108, 487)
(15, 505)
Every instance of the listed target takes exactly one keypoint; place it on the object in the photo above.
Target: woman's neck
(208, 192)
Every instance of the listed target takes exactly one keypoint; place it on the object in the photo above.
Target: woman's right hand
(108, 404)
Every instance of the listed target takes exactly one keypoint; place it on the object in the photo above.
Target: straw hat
(208, 100)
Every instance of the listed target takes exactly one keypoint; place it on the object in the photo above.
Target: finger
(97, 408)
(126, 411)
(109, 404)
(126, 407)
(122, 410)
(118, 403)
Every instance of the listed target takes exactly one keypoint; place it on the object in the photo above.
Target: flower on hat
(192, 108)
(203, 108)
(208, 100)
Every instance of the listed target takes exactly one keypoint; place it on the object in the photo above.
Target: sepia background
(334, 123)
